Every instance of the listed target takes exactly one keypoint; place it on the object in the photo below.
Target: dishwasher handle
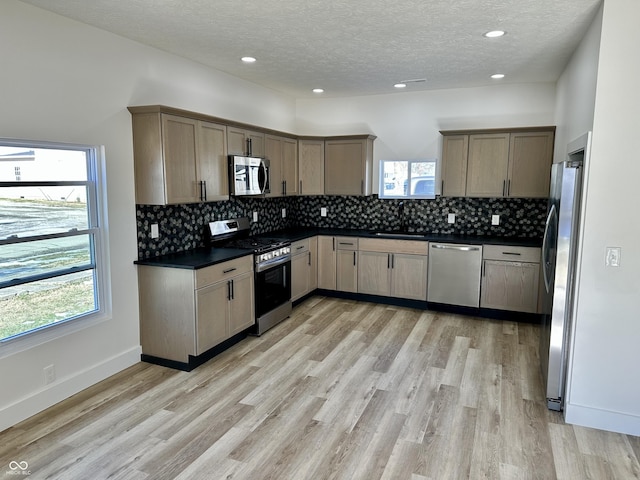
(455, 247)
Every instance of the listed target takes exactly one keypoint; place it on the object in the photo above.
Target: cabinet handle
(504, 188)
(229, 270)
(354, 257)
(309, 258)
(442, 189)
(508, 188)
(393, 261)
(334, 243)
(300, 247)
(361, 187)
(345, 243)
(388, 260)
(204, 184)
(284, 187)
(233, 293)
(300, 187)
(484, 263)
(249, 147)
(229, 290)
(511, 253)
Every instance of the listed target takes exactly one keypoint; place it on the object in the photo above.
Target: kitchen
(602, 393)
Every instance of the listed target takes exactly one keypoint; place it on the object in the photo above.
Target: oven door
(273, 287)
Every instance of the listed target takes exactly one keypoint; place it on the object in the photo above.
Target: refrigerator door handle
(546, 262)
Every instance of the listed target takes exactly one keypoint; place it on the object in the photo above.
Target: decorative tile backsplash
(182, 227)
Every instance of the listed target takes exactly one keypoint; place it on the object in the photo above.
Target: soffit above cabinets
(353, 47)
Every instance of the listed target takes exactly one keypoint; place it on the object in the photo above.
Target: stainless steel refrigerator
(559, 259)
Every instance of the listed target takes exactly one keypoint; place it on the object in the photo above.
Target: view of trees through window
(48, 226)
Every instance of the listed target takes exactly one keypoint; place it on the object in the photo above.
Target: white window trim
(97, 172)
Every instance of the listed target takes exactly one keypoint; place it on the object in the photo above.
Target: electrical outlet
(255, 216)
(284, 213)
(612, 258)
(323, 211)
(155, 233)
(49, 374)
(495, 219)
(451, 218)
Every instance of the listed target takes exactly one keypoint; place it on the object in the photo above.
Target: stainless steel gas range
(272, 269)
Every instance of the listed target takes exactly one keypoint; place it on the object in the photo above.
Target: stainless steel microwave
(248, 175)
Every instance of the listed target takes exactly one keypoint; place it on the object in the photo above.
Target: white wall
(604, 386)
(67, 82)
(407, 124)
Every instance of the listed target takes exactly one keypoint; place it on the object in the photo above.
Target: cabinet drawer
(346, 243)
(511, 254)
(412, 247)
(301, 246)
(214, 273)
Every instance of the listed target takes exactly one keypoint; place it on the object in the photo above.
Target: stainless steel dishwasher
(454, 274)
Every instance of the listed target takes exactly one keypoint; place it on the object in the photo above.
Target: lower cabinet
(347, 264)
(327, 262)
(510, 278)
(187, 312)
(393, 268)
(304, 267)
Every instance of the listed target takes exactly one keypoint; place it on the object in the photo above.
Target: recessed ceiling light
(495, 33)
(318, 90)
(400, 85)
(248, 59)
(497, 75)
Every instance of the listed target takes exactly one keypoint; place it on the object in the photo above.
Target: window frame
(98, 235)
(436, 184)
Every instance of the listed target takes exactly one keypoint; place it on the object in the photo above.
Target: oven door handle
(274, 262)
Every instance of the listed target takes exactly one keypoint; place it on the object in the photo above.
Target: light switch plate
(284, 213)
(451, 218)
(323, 211)
(612, 258)
(255, 216)
(495, 219)
(155, 233)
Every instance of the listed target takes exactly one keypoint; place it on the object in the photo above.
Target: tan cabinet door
(348, 166)
(180, 147)
(212, 316)
(530, 158)
(374, 273)
(327, 263)
(409, 276)
(299, 275)
(487, 165)
(455, 149)
(290, 165)
(311, 167)
(273, 152)
(237, 142)
(241, 309)
(212, 161)
(510, 286)
(347, 271)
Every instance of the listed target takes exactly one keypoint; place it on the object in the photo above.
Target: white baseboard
(66, 387)
(602, 419)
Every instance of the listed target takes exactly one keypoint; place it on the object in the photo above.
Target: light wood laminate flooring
(340, 390)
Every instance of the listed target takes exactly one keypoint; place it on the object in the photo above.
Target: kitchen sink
(398, 234)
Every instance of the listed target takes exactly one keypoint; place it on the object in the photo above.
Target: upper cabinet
(177, 159)
(311, 167)
(282, 153)
(348, 165)
(509, 163)
(245, 142)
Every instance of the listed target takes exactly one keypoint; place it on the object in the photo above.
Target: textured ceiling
(352, 47)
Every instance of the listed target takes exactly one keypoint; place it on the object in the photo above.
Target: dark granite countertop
(302, 233)
(194, 259)
(205, 257)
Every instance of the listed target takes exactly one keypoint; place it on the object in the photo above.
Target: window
(408, 178)
(51, 247)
